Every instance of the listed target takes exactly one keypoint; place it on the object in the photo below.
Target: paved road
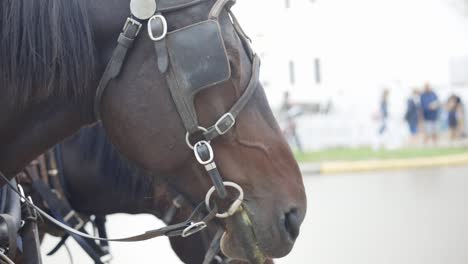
(407, 217)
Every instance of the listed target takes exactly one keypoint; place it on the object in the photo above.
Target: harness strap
(171, 212)
(30, 236)
(100, 223)
(9, 219)
(186, 112)
(157, 29)
(174, 230)
(219, 6)
(62, 210)
(214, 248)
(227, 121)
(245, 39)
(124, 43)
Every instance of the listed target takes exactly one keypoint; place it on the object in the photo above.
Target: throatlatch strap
(113, 68)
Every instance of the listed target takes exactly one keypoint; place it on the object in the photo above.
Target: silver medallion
(143, 9)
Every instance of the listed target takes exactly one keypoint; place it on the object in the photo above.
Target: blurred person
(383, 112)
(382, 118)
(430, 108)
(455, 117)
(413, 115)
(289, 112)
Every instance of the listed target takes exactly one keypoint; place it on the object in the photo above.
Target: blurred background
(372, 96)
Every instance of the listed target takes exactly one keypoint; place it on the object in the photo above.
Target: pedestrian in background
(413, 115)
(382, 118)
(455, 117)
(430, 107)
(383, 112)
(289, 112)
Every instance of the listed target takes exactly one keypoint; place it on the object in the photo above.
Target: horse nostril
(291, 222)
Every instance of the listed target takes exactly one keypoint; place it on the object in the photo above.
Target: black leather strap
(158, 28)
(124, 43)
(186, 112)
(30, 236)
(172, 211)
(213, 132)
(10, 218)
(100, 223)
(215, 247)
(219, 6)
(62, 210)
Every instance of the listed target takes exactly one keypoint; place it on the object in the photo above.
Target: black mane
(46, 48)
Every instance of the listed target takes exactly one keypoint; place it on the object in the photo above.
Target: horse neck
(27, 133)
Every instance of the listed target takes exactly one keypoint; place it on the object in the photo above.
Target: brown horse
(52, 53)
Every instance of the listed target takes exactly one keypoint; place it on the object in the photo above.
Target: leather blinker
(198, 57)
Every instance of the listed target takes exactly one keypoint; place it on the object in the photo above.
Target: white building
(349, 50)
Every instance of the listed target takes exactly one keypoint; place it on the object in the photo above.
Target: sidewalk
(332, 167)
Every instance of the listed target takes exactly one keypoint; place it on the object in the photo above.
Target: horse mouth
(239, 240)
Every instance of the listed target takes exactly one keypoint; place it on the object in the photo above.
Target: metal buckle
(221, 120)
(21, 190)
(234, 206)
(197, 154)
(164, 23)
(72, 214)
(131, 21)
(193, 228)
(106, 258)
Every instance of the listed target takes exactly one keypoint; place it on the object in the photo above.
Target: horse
(53, 52)
(96, 180)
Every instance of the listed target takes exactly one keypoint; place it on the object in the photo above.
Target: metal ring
(164, 23)
(187, 139)
(234, 206)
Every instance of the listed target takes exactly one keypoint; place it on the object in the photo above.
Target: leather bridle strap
(125, 41)
(184, 229)
(215, 247)
(228, 120)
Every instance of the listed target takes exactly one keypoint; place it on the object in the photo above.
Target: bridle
(183, 88)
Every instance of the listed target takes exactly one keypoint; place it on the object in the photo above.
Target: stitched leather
(199, 57)
(160, 46)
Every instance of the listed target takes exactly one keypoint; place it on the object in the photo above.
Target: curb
(333, 167)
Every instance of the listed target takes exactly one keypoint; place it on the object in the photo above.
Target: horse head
(252, 152)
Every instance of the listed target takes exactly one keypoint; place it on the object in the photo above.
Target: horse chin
(239, 240)
(232, 247)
